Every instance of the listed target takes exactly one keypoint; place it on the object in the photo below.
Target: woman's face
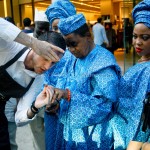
(141, 39)
(55, 25)
(77, 45)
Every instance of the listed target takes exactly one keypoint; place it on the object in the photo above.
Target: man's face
(40, 27)
(40, 64)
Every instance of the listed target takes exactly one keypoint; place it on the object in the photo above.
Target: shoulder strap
(15, 58)
(29, 85)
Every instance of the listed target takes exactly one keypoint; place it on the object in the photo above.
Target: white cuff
(10, 33)
(22, 118)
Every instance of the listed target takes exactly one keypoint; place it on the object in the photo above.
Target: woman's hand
(45, 97)
(59, 94)
(54, 106)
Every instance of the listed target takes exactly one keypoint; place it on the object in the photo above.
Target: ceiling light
(85, 4)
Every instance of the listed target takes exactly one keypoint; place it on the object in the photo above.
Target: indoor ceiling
(81, 5)
(92, 6)
(87, 5)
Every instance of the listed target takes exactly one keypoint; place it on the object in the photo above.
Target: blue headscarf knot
(141, 13)
(70, 24)
(60, 9)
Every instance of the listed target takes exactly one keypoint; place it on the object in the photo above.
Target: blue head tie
(60, 9)
(70, 24)
(141, 13)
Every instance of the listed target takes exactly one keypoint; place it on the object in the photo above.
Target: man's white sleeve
(8, 31)
(25, 102)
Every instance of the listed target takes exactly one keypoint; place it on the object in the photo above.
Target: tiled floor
(24, 138)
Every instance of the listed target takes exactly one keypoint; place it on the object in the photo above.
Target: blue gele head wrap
(141, 13)
(70, 24)
(60, 9)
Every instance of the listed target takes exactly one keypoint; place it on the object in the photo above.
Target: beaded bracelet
(68, 95)
(34, 109)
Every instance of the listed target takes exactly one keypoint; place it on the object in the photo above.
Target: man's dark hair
(99, 20)
(40, 28)
(10, 19)
(26, 22)
(53, 38)
(83, 31)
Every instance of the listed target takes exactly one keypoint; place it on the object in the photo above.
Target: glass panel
(130, 57)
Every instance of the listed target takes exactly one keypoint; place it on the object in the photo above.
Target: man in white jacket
(37, 124)
(19, 66)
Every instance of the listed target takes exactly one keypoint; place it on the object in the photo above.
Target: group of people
(87, 103)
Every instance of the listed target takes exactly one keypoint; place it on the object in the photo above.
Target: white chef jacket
(8, 49)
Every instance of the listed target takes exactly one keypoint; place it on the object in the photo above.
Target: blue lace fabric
(83, 123)
(127, 123)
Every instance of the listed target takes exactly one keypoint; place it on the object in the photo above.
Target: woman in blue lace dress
(128, 124)
(92, 79)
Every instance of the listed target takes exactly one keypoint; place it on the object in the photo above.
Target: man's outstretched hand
(42, 48)
(46, 50)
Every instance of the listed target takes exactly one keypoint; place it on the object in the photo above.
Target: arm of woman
(89, 109)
